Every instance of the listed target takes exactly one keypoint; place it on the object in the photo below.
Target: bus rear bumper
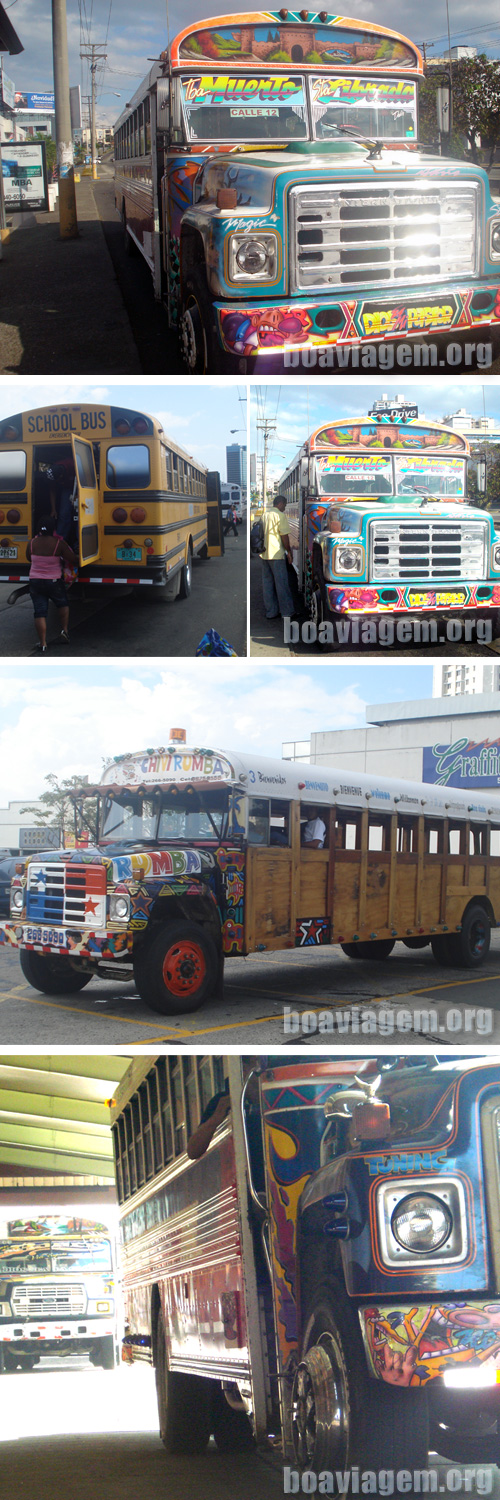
(276, 327)
(396, 598)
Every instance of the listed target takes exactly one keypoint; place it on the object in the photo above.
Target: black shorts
(43, 589)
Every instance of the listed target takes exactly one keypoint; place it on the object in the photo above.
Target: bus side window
(379, 832)
(478, 840)
(258, 820)
(177, 1105)
(279, 832)
(311, 814)
(434, 837)
(349, 825)
(407, 835)
(456, 838)
(494, 843)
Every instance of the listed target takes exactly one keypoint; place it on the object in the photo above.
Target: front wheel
(342, 1416)
(198, 337)
(183, 1403)
(107, 1352)
(378, 950)
(53, 976)
(178, 971)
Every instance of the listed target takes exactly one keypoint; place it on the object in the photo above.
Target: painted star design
(90, 907)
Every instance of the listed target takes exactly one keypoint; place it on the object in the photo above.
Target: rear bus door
(88, 500)
(215, 538)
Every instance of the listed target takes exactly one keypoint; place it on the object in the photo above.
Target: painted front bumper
(52, 1332)
(96, 945)
(410, 1345)
(276, 327)
(393, 598)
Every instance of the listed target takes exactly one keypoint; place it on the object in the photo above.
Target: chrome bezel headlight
(119, 907)
(495, 556)
(448, 1193)
(422, 1223)
(16, 900)
(253, 256)
(348, 557)
(494, 229)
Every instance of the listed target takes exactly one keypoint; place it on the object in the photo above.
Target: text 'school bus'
(379, 524)
(329, 1268)
(133, 505)
(57, 1288)
(200, 855)
(268, 171)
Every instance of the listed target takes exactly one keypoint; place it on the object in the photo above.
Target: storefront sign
(462, 764)
(24, 175)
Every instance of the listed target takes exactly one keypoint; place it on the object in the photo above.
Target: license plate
(55, 937)
(8, 551)
(129, 554)
(437, 599)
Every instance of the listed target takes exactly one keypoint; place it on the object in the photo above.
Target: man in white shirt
(314, 831)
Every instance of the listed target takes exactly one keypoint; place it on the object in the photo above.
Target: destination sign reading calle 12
(462, 764)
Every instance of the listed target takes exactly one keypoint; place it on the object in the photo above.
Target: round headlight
(348, 557)
(496, 556)
(495, 238)
(251, 256)
(16, 899)
(421, 1223)
(119, 907)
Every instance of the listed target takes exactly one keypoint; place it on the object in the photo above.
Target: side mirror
(481, 475)
(443, 101)
(304, 473)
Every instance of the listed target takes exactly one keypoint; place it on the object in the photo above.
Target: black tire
(186, 578)
(198, 337)
(178, 970)
(183, 1403)
(369, 1422)
(377, 949)
(416, 942)
(231, 1428)
(53, 976)
(107, 1352)
(441, 950)
(470, 946)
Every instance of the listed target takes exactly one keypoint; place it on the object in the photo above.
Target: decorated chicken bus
(133, 505)
(58, 1293)
(379, 521)
(310, 1248)
(268, 170)
(201, 854)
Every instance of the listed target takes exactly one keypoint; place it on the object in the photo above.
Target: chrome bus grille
(49, 1300)
(66, 894)
(366, 234)
(419, 549)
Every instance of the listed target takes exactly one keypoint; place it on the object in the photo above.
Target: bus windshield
(181, 814)
(387, 110)
(355, 474)
(442, 476)
(20, 1257)
(225, 108)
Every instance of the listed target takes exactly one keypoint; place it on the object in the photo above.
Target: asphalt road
(267, 638)
(141, 622)
(408, 999)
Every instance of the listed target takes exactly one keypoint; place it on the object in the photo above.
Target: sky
(299, 409)
(193, 414)
(65, 720)
(135, 34)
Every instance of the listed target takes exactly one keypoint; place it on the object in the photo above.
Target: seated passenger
(313, 833)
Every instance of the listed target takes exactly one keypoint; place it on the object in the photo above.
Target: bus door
(215, 537)
(88, 500)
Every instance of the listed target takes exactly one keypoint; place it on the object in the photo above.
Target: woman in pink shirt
(46, 554)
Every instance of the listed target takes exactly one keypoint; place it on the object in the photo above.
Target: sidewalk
(61, 310)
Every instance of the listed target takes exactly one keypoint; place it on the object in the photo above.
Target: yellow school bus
(132, 503)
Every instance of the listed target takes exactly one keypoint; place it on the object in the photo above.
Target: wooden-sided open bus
(138, 507)
(328, 1270)
(200, 855)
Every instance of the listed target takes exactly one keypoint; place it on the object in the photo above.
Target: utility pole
(68, 223)
(93, 56)
(266, 426)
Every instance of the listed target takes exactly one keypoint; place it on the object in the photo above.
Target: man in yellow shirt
(275, 586)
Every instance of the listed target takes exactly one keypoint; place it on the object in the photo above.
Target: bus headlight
(348, 559)
(421, 1223)
(253, 257)
(119, 908)
(103, 1307)
(495, 556)
(495, 239)
(16, 900)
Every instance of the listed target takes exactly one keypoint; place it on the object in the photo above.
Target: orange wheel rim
(184, 967)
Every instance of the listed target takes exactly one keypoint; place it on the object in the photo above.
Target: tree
(50, 151)
(491, 500)
(59, 803)
(476, 108)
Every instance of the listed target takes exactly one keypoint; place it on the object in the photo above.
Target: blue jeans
(276, 589)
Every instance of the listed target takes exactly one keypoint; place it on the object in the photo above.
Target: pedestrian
(230, 521)
(275, 585)
(46, 554)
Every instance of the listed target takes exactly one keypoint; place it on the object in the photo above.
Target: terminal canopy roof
(54, 1117)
